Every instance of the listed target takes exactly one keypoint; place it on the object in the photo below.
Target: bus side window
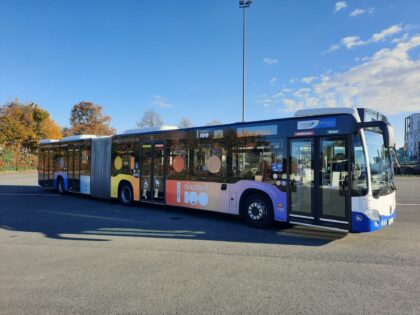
(85, 162)
(178, 161)
(125, 157)
(59, 160)
(262, 161)
(209, 160)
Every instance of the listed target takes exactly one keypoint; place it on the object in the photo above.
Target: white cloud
(265, 102)
(161, 102)
(270, 61)
(341, 5)
(332, 48)
(357, 12)
(278, 95)
(353, 41)
(387, 81)
(273, 80)
(410, 27)
(400, 39)
(308, 79)
(361, 59)
(392, 30)
(292, 105)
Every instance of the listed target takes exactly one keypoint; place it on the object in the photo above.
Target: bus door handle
(223, 187)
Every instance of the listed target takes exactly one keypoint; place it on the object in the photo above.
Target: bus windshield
(380, 163)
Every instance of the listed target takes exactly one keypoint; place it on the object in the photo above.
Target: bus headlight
(373, 215)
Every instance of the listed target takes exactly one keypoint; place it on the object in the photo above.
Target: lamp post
(243, 4)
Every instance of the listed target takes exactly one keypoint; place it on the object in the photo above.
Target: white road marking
(408, 204)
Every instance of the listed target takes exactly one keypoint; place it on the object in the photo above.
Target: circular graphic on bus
(118, 163)
(178, 164)
(193, 197)
(214, 164)
(203, 199)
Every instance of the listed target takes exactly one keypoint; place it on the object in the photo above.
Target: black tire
(125, 194)
(60, 186)
(257, 211)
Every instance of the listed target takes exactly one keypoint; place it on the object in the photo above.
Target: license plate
(384, 223)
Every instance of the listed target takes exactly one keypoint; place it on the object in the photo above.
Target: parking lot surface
(73, 254)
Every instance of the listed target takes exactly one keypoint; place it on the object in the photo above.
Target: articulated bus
(75, 164)
(329, 168)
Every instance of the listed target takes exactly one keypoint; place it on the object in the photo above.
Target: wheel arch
(123, 182)
(248, 192)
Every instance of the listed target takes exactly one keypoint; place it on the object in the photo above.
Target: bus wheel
(125, 194)
(258, 211)
(60, 186)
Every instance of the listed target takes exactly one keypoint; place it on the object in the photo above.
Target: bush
(16, 159)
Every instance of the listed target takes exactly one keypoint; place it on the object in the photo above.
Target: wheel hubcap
(256, 210)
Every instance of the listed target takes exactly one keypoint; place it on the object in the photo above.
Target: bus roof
(68, 139)
(327, 111)
(299, 114)
(147, 130)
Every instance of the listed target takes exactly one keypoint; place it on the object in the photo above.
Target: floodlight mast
(243, 4)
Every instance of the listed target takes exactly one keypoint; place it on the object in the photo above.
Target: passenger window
(125, 157)
(209, 160)
(85, 162)
(178, 161)
(258, 161)
(59, 160)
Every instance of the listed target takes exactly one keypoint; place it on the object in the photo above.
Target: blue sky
(183, 58)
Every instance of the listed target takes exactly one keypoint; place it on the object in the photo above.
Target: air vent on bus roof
(146, 130)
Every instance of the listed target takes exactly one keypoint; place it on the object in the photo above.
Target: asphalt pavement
(73, 254)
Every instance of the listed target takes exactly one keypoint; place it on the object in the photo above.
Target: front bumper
(362, 223)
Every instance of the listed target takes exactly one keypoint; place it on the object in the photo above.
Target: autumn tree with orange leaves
(21, 128)
(87, 118)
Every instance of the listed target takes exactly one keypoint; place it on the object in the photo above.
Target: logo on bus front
(359, 218)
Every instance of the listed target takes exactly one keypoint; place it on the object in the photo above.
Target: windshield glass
(380, 163)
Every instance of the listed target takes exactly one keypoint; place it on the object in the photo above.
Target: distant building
(412, 136)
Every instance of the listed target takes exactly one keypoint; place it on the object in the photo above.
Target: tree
(21, 128)
(150, 119)
(25, 124)
(87, 118)
(185, 122)
(214, 122)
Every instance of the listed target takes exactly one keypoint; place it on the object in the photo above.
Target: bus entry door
(319, 182)
(152, 173)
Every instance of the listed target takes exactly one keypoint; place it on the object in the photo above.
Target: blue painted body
(361, 223)
(65, 179)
